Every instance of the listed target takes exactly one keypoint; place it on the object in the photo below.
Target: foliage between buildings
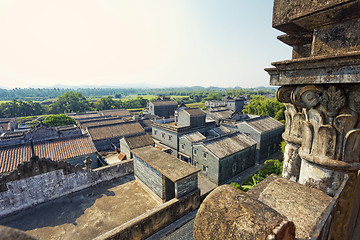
(271, 167)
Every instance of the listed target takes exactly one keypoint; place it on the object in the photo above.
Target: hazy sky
(224, 43)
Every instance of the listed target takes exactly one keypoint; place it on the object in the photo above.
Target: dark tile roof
(224, 114)
(146, 123)
(264, 124)
(116, 112)
(164, 103)
(57, 150)
(84, 115)
(195, 111)
(168, 165)
(115, 130)
(227, 145)
(139, 141)
(99, 122)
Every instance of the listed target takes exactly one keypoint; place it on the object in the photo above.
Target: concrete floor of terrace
(85, 214)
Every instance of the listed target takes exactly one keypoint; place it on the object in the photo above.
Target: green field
(195, 105)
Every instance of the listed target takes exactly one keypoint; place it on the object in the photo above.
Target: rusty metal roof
(264, 124)
(57, 150)
(115, 130)
(168, 165)
(139, 141)
(227, 145)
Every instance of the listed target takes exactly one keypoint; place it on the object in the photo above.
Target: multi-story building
(235, 104)
(168, 132)
(163, 107)
(220, 155)
(265, 130)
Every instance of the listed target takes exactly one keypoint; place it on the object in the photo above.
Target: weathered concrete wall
(105, 144)
(26, 192)
(148, 223)
(186, 185)
(209, 165)
(149, 176)
(166, 137)
(81, 159)
(124, 147)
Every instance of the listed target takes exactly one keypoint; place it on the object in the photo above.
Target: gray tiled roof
(228, 144)
(139, 141)
(264, 124)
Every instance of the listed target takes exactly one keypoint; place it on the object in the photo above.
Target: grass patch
(29, 118)
(196, 105)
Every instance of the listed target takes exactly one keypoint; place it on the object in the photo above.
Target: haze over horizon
(45, 43)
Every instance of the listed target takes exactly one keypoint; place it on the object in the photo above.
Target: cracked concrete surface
(85, 214)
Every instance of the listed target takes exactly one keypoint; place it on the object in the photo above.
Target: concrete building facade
(167, 176)
(266, 131)
(168, 133)
(219, 158)
(163, 107)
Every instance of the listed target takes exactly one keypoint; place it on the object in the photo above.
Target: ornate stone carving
(283, 94)
(292, 137)
(354, 98)
(306, 96)
(332, 99)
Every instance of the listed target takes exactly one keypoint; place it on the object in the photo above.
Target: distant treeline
(66, 103)
(40, 94)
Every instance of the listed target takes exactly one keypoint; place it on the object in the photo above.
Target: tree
(106, 103)
(58, 120)
(70, 102)
(262, 106)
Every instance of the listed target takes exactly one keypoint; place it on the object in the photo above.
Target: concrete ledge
(148, 223)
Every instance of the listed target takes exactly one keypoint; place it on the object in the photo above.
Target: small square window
(182, 146)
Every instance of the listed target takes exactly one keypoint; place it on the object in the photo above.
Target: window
(155, 132)
(182, 146)
(163, 135)
(205, 155)
(195, 152)
(170, 137)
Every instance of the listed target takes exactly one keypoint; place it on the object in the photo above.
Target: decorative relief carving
(318, 122)
(354, 98)
(332, 100)
(283, 94)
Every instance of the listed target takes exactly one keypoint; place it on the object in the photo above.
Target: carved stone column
(320, 87)
(292, 134)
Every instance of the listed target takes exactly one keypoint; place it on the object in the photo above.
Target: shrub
(271, 167)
